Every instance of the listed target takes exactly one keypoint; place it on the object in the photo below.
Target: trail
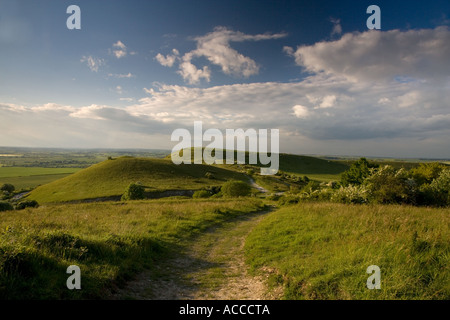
(211, 267)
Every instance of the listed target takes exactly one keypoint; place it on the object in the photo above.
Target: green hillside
(111, 177)
(296, 164)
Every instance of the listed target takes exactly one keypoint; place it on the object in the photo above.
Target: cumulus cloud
(169, 60)
(380, 56)
(215, 47)
(93, 63)
(397, 110)
(119, 49)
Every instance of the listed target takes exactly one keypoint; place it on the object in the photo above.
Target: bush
(27, 204)
(357, 172)
(134, 192)
(8, 188)
(235, 189)
(209, 175)
(441, 189)
(426, 172)
(387, 185)
(201, 194)
(351, 194)
(5, 206)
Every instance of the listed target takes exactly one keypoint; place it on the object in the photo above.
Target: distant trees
(134, 191)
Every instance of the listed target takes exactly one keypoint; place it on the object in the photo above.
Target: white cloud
(119, 49)
(121, 75)
(380, 56)
(337, 109)
(215, 47)
(169, 60)
(93, 63)
(300, 111)
(327, 102)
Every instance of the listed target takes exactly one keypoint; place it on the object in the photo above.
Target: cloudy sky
(137, 70)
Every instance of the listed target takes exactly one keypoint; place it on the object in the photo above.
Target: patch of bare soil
(211, 267)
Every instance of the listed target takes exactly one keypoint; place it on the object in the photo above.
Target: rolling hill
(111, 177)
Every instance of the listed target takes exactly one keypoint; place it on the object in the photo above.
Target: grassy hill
(323, 169)
(111, 177)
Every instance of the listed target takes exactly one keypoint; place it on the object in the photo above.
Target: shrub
(387, 185)
(27, 204)
(201, 194)
(441, 188)
(234, 188)
(357, 172)
(8, 188)
(209, 175)
(351, 194)
(134, 192)
(426, 172)
(288, 199)
(5, 206)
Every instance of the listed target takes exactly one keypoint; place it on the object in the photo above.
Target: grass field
(110, 242)
(25, 178)
(322, 251)
(111, 177)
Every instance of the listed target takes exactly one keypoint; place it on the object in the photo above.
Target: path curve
(212, 267)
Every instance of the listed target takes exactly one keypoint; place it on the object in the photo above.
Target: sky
(137, 70)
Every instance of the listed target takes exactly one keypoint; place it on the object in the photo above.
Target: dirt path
(212, 266)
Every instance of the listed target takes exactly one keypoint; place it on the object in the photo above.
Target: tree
(426, 172)
(235, 188)
(357, 172)
(8, 188)
(134, 192)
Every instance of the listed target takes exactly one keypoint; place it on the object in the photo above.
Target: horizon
(136, 71)
(344, 156)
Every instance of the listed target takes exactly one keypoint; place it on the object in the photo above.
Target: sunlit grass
(322, 251)
(110, 242)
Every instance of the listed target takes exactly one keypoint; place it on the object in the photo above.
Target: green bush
(357, 172)
(8, 188)
(209, 175)
(201, 194)
(351, 194)
(235, 188)
(134, 192)
(5, 206)
(387, 185)
(441, 189)
(426, 172)
(27, 204)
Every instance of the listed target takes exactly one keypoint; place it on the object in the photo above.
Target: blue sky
(139, 69)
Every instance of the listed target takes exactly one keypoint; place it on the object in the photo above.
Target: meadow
(314, 249)
(110, 242)
(322, 250)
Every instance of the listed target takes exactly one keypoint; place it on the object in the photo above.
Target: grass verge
(322, 251)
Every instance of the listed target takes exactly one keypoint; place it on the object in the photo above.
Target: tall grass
(110, 242)
(322, 251)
